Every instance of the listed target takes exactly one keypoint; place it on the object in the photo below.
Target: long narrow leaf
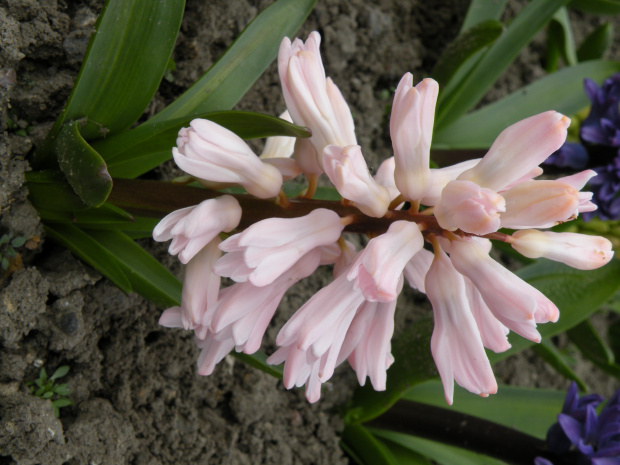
(124, 63)
(365, 447)
(596, 43)
(482, 10)
(529, 410)
(522, 29)
(561, 91)
(232, 75)
(597, 7)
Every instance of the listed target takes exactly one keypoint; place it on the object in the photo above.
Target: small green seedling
(8, 244)
(48, 389)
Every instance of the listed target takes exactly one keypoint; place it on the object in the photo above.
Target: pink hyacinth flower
(580, 251)
(492, 332)
(385, 177)
(378, 269)
(539, 204)
(416, 269)
(411, 128)
(516, 304)
(306, 157)
(192, 228)
(367, 344)
(467, 206)
(347, 170)
(456, 344)
(312, 99)
(211, 152)
(519, 149)
(311, 340)
(440, 177)
(578, 181)
(270, 247)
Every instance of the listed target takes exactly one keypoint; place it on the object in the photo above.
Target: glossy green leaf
(413, 364)
(550, 354)
(597, 7)
(221, 87)
(90, 251)
(147, 276)
(438, 452)
(124, 64)
(482, 10)
(83, 167)
(61, 403)
(596, 43)
(404, 456)
(464, 47)
(576, 293)
(497, 58)
(561, 91)
(365, 447)
(139, 150)
(49, 190)
(529, 410)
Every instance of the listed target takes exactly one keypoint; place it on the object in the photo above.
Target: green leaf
(10, 253)
(438, 452)
(404, 456)
(367, 449)
(482, 10)
(221, 87)
(60, 372)
(62, 390)
(124, 64)
(49, 190)
(576, 293)
(497, 58)
(137, 151)
(4, 239)
(550, 354)
(463, 47)
(43, 375)
(62, 402)
(91, 251)
(47, 395)
(5, 263)
(597, 7)
(561, 91)
(146, 275)
(596, 43)
(529, 410)
(18, 241)
(588, 341)
(413, 364)
(84, 168)
(561, 31)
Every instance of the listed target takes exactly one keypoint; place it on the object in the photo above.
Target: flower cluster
(595, 438)
(454, 210)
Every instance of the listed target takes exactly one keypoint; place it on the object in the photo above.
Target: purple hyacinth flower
(606, 192)
(602, 126)
(570, 155)
(579, 430)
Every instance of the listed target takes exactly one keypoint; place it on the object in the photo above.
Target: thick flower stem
(466, 431)
(157, 199)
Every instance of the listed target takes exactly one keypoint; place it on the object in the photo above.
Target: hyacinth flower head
(593, 438)
(476, 301)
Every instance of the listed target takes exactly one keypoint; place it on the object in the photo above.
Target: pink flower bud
(519, 149)
(539, 204)
(211, 152)
(578, 181)
(379, 267)
(192, 228)
(312, 99)
(465, 205)
(456, 344)
(442, 176)
(347, 170)
(411, 128)
(279, 146)
(580, 251)
(306, 157)
(416, 269)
